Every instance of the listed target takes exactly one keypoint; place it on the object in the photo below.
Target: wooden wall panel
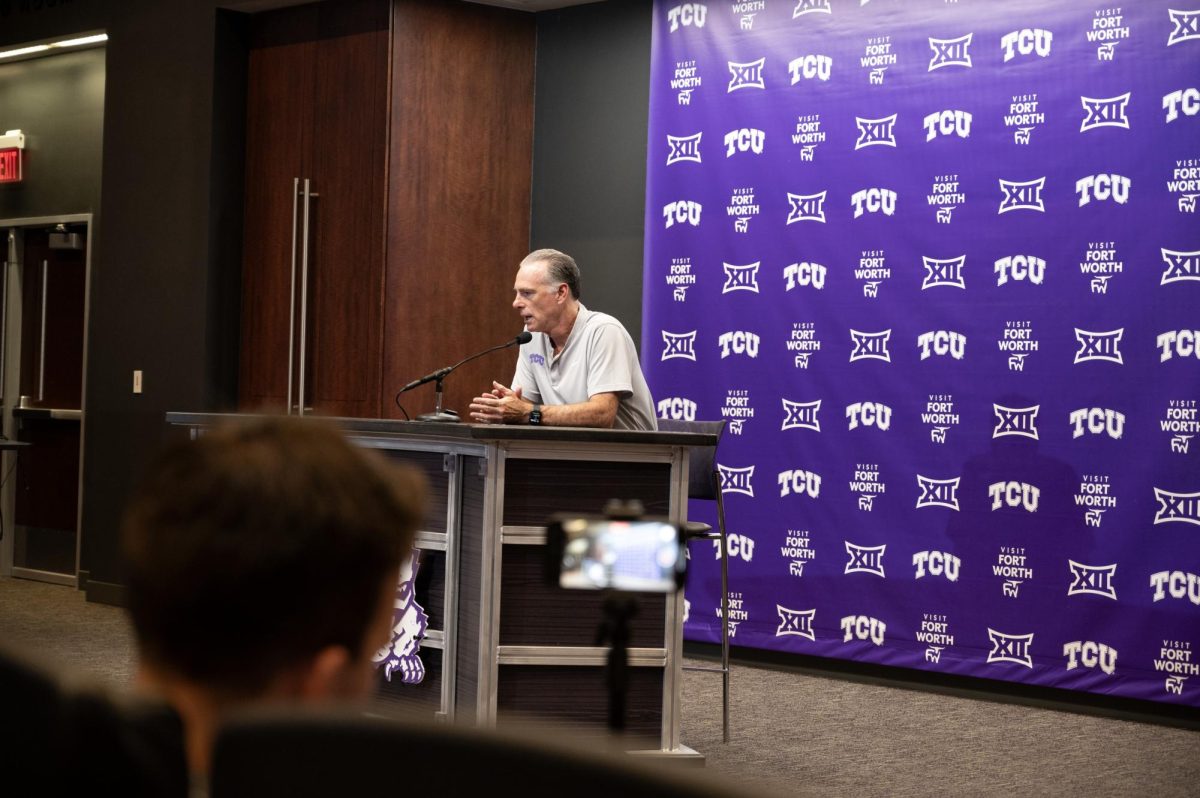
(459, 186)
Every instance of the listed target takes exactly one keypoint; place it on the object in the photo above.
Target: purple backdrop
(938, 263)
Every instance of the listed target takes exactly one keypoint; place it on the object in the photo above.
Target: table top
(477, 432)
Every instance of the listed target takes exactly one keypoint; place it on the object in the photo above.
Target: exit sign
(10, 165)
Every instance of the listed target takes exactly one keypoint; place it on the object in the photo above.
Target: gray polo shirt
(599, 357)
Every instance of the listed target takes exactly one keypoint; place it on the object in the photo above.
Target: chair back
(305, 754)
(702, 471)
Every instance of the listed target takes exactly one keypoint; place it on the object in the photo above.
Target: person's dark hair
(560, 268)
(260, 543)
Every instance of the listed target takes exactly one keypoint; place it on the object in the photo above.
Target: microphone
(524, 338)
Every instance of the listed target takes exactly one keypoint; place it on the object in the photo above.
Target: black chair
(60, 741)
(704, 483)
(303, 754)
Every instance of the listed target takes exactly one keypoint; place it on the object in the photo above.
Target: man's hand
(501, 405)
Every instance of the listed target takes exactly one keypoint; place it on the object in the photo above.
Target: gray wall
(59, 103)
(166, 254)
(589, 147)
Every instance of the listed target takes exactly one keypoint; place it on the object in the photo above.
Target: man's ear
(326, 675)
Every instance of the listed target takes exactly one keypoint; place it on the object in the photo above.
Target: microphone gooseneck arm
(442, 373)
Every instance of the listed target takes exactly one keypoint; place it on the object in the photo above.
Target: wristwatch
(535, 415)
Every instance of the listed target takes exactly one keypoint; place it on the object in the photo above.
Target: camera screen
(638, 556)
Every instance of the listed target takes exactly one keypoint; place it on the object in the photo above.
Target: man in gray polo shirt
(580, 369)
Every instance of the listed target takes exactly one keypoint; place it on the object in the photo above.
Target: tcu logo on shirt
(937, 563)
(1026, 42)
(799, 482)
(950, 52)
(683, 212)
(1097, 420)
(674, 407)
(1110, 112)
(1010, 648)
(744, 140)
(869, 414)
(1020, 267)
(947, 123)
(875, 131)
(687, 15)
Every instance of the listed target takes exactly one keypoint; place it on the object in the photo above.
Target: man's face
(539, 301)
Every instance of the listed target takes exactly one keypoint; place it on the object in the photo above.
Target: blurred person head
(262, 560)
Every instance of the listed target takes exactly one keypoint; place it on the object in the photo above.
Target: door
(45, 286)
(314, 232)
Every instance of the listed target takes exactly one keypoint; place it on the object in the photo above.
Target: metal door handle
(304, 295)
(292, 299)
(42, 358)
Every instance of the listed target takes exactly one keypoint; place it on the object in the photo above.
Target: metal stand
(614, 629)
(438, 414)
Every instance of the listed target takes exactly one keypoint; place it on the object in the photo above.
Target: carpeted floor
(794, 732)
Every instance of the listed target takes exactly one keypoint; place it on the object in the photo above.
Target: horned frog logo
(402, 655)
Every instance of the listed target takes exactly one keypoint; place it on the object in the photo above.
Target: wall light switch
(137, 380)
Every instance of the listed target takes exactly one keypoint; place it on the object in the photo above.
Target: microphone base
(443, 417)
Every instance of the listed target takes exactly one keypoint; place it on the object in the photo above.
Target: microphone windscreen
(525, 337)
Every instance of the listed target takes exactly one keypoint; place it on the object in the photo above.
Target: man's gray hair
(560, 268)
